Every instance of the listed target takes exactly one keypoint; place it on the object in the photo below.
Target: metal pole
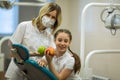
(87, 60)
(28, 4)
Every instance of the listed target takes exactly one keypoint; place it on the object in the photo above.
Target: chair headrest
(22, 51)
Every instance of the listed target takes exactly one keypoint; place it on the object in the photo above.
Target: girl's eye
(60, 40)
(65, 40)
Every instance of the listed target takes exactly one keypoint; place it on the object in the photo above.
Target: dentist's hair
(48, 7)
(77, 64)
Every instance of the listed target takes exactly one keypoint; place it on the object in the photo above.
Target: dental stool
(30, 68)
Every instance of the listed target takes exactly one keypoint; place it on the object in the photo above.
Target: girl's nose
(62, 42)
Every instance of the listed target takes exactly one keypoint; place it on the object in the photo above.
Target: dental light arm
(8, 4)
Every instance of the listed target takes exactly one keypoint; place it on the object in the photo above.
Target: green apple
(41, 50)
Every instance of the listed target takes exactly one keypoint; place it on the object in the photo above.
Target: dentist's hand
(35, 54)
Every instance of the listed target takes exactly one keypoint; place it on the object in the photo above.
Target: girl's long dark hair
(77, 64)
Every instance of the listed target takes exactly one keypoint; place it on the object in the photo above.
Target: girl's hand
(48, 56)
(42, 63)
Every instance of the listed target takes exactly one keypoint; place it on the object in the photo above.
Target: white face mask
(47, 22)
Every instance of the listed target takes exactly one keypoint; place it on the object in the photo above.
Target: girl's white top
(64, 61)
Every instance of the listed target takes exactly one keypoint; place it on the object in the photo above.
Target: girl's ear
(69, 42)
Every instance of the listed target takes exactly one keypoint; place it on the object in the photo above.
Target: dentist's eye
(52, 17)
(48, 15)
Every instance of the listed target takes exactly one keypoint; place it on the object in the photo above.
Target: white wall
(97, 36)
(71, 20)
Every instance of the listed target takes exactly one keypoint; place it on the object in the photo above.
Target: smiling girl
(65, 64)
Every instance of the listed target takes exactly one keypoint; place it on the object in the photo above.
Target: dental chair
(30, 68)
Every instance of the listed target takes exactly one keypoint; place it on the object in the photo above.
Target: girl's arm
(65, 72)
(63, 75)
(42, 62)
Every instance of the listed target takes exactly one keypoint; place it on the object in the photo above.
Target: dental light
(112, 19)
(7, 4)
